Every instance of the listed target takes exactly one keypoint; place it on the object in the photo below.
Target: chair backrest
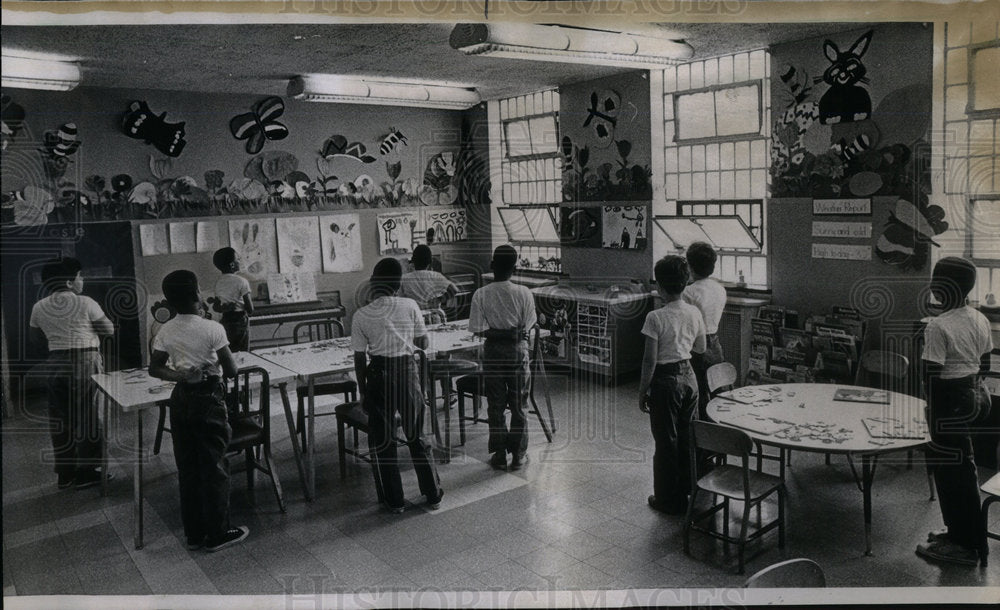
(794, 573)
(317, 330)
(720, 439)
(421, 358)
(883, 369)
(720, 376)
(251, 383)
(434, 316)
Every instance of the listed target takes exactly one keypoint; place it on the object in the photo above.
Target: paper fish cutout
(260, 124)
(140, 123)
(337, 146)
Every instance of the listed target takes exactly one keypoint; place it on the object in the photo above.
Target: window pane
(696, 115)
(518, 142)
(986, 85)
(985, 228)
(543, 134)
(738, 110)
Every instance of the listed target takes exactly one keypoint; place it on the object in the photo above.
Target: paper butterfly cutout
(259, 124)
(603, 113)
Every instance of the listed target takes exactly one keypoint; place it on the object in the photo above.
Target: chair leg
(909, 459)
(159, 430)
(781, 518)
(461, 417)
(687, 522)
(930, 482)
(248, 453)
(341, 448)
(300, 422)
(432, 401)
(743, 533)
(273, 473)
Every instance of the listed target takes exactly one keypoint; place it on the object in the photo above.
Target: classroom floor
(574, 518)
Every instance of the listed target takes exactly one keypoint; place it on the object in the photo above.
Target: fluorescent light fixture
(355, 90)
(35, 73)
(568, 45)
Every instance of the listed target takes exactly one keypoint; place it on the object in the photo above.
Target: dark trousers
(200, 431)
(393, 387)
(955, 407)
(506, 374)
(673, 399)
(701, 363)
(73, 412)
(237, 325)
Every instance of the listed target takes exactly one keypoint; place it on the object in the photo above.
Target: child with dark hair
(72, 325)
(504, 312)
(427, 287)
(957, 346)
(668, 390)
(384, 335)
(709, 296)
(199, 355)
(233, 294)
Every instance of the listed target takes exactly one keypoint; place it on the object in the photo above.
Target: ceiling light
(568, 45)
(354, 90)
(31, 73)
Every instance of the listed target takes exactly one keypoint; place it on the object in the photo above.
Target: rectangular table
(134, 391)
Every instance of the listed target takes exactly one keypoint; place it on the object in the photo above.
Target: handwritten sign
(842, 206)
(843, 252)
(842, 229)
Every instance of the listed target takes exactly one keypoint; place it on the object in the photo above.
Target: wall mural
(140, 123)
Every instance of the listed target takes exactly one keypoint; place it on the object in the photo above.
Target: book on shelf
(764, 331)
(760, 357)
(848, 313)
(780, 314)
(862, 395)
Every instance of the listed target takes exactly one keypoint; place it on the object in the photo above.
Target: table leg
(137, 483)
(311, 441)
(867, 476)
(294, 436)
(105, 451)
(446, 391)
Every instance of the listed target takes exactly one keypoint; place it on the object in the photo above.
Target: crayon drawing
(254, 242)
(298, 245)
(340, 242)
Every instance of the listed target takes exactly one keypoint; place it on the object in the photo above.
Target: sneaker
(435, 503)
(230, 538)
(66, 480)
(949, 552)
(668, 508)
(940, 535)
(396, 510)
(499, 460)
(193, 544)
(90, 478)
(519, 461)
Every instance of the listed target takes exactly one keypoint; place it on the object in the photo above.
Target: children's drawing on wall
(399, 232)
(291, 287)
(391, 142)
(254, 242)
(207, 236)
(298, 245)
(439, 187)
(153, 239)
(908, 235)
(260, 124)
(444, 226)
(338, 146)
(624, 227)
(580, 227)
(340, 243)
(182, 238)
(140, 123)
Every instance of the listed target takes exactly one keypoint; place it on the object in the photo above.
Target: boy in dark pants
(387, 331)
(72, 326)
(668, 390)
(503, 312)
(233, 295)
(709, 296)
(957, 347)
(199, 354)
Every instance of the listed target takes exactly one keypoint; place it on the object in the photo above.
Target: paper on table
(891, 427)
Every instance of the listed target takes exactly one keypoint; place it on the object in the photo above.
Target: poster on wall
(298, 245)
(624, 227)
(207, 236)
(253, 240)
(182, 238)
(340, 243)
(399, 232)
(580, 227)
(842, 252)
(153, 239)
(291, 287)
(444, 226)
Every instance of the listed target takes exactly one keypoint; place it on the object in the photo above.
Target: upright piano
(326, 306)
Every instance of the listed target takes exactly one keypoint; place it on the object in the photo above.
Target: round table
(812, 417)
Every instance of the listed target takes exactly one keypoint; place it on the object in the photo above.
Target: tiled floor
(574, 518)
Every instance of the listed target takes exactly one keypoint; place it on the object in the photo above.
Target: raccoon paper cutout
(845, 101)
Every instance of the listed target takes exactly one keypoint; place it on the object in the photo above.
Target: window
(719, 112)
(984, 226)
(984, 89)
(532, 137)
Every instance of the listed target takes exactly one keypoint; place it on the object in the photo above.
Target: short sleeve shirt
(387, 327)
(67, 319)
(231, 288)
(678, 328)
(192, 342)
(501, 306)
(424, 287)
(709, 296)
(956, 340)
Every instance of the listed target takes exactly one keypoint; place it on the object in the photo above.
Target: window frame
(992, 263)
(527, 120)
(714, 89)
(970, 106)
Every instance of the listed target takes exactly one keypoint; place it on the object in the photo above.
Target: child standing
(384, 335)
(957, 347)
(709, 296)
(668, 390)
(73, 325)
(233, 294)
(425, 286)
(199, 423)
(503, 312)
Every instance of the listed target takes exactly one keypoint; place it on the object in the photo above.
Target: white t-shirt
(424, 287)
(956, 340)
(231, 288)
(67, 319)
(192, 341)
(709, 296)
(502, 306)
(387, 327)
(678, 329)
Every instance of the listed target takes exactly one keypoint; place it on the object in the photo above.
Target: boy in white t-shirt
(957, 346)
(72, 325)
(199, 355)
(233, 295)
(427, 287)
(384, 335)
(668, 390)
(709, 296)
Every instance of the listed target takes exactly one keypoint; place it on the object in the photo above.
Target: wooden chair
(319, 330)
(434, 316)
(722, 377)
(731, 482)
(251, 425)
(992, 490)
(791, 574)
